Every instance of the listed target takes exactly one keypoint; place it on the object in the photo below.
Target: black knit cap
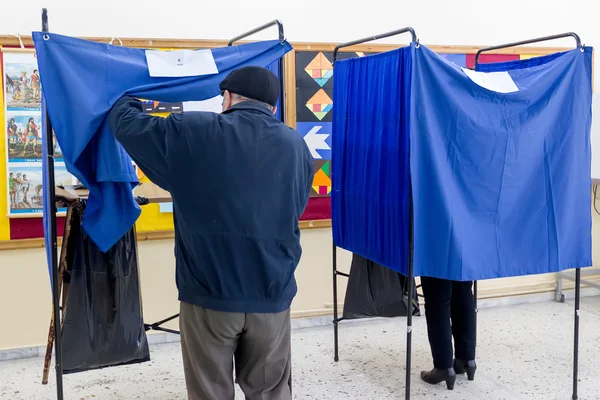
(255, 83)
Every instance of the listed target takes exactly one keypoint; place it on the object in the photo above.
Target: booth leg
(53, 241)
(476, 309)
(336, 357)
(409, 302)
(62, 266)
(576, 333)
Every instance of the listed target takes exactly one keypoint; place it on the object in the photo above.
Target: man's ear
(226, 100)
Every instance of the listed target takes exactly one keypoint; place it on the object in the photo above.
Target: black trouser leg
(437, 293)
(463, 320)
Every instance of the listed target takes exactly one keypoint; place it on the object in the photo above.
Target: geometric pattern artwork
(317, 136)
(320, 69)
(322, 180)
(320, 104)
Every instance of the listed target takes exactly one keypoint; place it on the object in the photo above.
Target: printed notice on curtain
(179, 63)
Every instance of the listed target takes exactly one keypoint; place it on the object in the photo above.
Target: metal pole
(408, 29)
(336, 357)
(409, 301)
(523, 42)
(476, 309)
(281, 36)
(409, 330)
(576, 333)
(261, 28)
(48, 135)
(282, 95)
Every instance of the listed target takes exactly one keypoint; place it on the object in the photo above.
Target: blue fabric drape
(370, 174)
(501, 181)
(82, 80)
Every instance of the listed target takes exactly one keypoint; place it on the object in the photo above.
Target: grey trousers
(259, 343)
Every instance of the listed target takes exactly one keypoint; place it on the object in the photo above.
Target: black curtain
(376, 291)
(103, 320)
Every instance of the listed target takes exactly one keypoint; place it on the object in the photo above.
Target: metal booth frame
(410, 277)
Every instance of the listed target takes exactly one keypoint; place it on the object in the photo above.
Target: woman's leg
(464, 328)
(437, 293)
(463, 320)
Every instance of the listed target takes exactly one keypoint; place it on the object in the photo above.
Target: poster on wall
(24, 135)
(314, 105)
(25, 186)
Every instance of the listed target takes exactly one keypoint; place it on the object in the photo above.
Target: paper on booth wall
(166, 207)
(179, 63)
(214, 104)
(500, 82)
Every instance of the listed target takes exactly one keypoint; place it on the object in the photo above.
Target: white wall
(436, 22)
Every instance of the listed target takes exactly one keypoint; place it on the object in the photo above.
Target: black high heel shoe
(436, 376)
(468, 367)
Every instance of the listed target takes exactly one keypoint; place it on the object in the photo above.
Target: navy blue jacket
(240, 181)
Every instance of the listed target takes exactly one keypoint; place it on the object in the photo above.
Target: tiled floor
(524, 352)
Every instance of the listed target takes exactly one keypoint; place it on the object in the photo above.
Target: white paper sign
(500, 82)
(165, 207)
(178, 63)
(214, 104)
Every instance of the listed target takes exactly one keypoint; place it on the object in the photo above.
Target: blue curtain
(501, 173)
(82, 80)
(370, 174)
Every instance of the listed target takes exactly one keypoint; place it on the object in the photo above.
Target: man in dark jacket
(240, 181)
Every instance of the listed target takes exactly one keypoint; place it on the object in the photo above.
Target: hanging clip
(116, 38)
(417, 44)
(18, 36)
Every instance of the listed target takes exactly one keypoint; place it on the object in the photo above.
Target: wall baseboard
(318, 318)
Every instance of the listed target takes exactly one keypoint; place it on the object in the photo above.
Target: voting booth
(480, 173)
(99, 234)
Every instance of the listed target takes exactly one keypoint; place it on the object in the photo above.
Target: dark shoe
(436, 376)
(468, 367)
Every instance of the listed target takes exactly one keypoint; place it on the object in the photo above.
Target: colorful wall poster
(24, 136)
(25, 186)
(314, 105)
(23, 90)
